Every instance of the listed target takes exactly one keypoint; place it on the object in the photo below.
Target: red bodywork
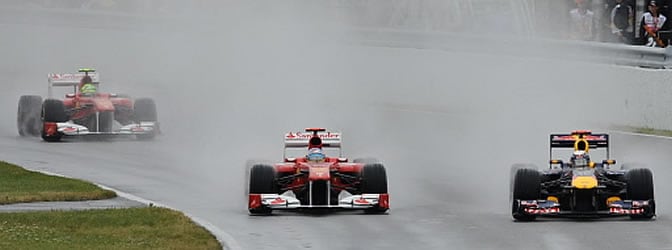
(299, 172)
(81, 106)
(321, 182)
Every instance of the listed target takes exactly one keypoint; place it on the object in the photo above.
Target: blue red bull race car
(581, 187)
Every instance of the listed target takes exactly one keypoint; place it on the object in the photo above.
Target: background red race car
(308, 180)
(85, 114)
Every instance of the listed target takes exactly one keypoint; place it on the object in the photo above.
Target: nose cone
(584, 182)
(103, 104)
(319, 173)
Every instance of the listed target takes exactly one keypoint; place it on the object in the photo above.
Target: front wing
(72, 129)
(552, 209)
(346, 200)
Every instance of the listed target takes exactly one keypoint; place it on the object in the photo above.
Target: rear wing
(302, 139)
(579, 140)
(69, 80)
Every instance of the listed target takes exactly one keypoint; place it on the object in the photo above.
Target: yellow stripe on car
(612, 199)
(553, 199)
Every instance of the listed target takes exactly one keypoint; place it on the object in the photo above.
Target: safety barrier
(608, 53)
(373, 36)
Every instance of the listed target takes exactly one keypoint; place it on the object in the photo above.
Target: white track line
(227, 241)
(643, 135)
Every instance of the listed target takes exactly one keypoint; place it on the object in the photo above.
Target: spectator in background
(621, 22)
(581, 22)
(652, 22)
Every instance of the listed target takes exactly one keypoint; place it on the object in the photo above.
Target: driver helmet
(86, 86)
(580, 159)
(315, 155)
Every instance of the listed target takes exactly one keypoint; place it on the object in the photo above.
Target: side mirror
(342, 159)
(292, 159)
(609, 162)
(553, 162)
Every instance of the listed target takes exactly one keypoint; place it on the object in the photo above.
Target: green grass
(132, 228)
(648, 131)
(18, 185)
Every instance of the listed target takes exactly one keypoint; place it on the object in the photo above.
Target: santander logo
(300, 135)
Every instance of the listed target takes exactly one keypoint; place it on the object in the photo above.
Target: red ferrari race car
(309, 179)
(85, 114)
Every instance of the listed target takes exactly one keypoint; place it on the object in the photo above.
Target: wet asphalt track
(447, 126)
(429, 212)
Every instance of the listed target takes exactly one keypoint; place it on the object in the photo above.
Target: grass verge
(131, 228)
(128, 228)
(18, 185)
(648, 131)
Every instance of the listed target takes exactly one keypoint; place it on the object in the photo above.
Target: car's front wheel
(144, 110)
(262, 181)
(374, 181)
(640, 187)
(53, 111)
(526, 186)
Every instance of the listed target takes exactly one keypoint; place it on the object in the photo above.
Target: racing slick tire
(526, 186)
(512, 173)
(374, 181)
(262, 181)
(144, 110)
(640, 187)
(28, 115)
(53, 111)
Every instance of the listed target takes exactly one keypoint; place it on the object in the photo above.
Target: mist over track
(447, 125)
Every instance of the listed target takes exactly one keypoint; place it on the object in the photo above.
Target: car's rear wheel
(53, 111)
(28, 115)
(526, 186)
(640, 187)
(374, 181)
(262, 181)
